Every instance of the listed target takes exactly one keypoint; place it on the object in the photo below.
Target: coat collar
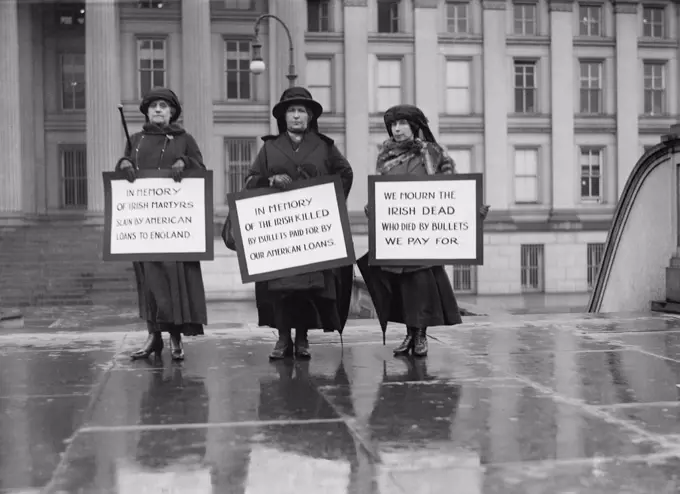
(309, 143)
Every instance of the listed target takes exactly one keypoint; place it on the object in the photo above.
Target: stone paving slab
(574, 403)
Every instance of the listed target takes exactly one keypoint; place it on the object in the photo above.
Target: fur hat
(413, 115)
(164, 94)
(297, 96)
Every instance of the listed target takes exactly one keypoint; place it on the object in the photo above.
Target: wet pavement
(556, 404)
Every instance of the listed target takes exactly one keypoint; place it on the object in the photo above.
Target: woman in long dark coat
(318, 300)
(171, 294)
(417, 296)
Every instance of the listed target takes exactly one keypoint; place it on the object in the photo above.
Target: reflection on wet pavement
(540, 404)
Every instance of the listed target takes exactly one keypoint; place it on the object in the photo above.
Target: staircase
(60, 263)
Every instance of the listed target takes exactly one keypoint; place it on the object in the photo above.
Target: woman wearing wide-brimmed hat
(318, 300)
(417, 296)
(171, 294)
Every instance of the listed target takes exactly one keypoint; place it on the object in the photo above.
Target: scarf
(393, 153)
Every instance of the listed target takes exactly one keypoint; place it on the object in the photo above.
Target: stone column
(294, 14)
(562, 95)
(496, 92)
(196, 94)
(105, 137)
(357, 139)
(10, 111)
(427, 61)
(628, 90)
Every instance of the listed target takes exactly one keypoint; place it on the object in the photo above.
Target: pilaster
(498, 171)
(562, 77)
(357, 136)
(10, 114)
(627, 91)
(196, 95)
(294, 14)
(105, 138)
(427, 62)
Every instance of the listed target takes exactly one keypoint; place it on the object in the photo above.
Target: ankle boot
(176, 347)
(406, 345)
(420, 342)
(153, 344)
(283, 347)
(302, 345)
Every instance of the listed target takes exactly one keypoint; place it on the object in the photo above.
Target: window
(388, 16)
(238, 70)
(595, 254)
(462, 158)
(239, 4)
(70, 15)
(526, 175)
(464, 279)
(655, 88)
(458, 87)
(239, 155)
(591, 87)
(457, 17)
(524, 15)
(73, 81)
(389, 84)
(532, 267)
(318, 20)
(151, 56)
(590, 20)
(150, 4)
(591, 174)
(525, 87)
(319, 76)
(653, 22)
(73, 176)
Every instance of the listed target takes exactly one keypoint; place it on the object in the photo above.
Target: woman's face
(401, 131)
(297, 118)
(159, 112)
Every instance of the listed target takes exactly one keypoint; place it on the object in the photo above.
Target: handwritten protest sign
(157, 219)
(430, 220)
(300, 230)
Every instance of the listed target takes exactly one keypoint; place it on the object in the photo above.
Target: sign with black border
(425, 221)
(158, 219)
(302, 229)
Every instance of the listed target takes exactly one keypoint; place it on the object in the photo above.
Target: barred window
(239, 155)
(595, 255)
(73, 160)
(532, 268)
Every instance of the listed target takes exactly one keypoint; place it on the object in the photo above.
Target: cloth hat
(164, 94)
(413, 115)
(296, 96)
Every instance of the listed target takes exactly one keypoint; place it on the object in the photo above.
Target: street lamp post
(257, 65)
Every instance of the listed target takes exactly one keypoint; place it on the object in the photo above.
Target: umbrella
(378, 289)
(343, 289)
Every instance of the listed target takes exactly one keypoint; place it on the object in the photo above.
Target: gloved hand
(483, 211)
(177, 169)
(280, 181)
(128, 169)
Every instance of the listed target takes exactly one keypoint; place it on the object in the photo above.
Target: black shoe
(283, 347)
(420, 342)
(302, 345)
(153, 344)
(406, 345)
(176, 347)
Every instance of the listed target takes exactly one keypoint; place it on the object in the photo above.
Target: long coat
(170, 293)
(298, 301)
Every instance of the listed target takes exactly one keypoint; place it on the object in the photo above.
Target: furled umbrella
(378, 289)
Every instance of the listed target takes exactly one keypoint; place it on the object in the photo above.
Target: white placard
(434, 219)
(291, 229)
(158, 215)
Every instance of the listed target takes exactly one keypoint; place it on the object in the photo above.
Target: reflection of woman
(171, 294)
(417, 296)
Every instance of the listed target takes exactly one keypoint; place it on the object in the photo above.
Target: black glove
(128, 170)
(280, 181)
(177, 170)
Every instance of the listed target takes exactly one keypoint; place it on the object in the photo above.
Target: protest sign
(300, 230)
(157, 219)
(431, 220)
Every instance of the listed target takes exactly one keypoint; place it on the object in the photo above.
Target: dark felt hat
(296, 96)
(164, 94)
(413, 115)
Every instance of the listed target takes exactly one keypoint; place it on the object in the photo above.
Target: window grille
(595, 255)
(240, 154)
(465, 279)
(73, 177)
(532, 267)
